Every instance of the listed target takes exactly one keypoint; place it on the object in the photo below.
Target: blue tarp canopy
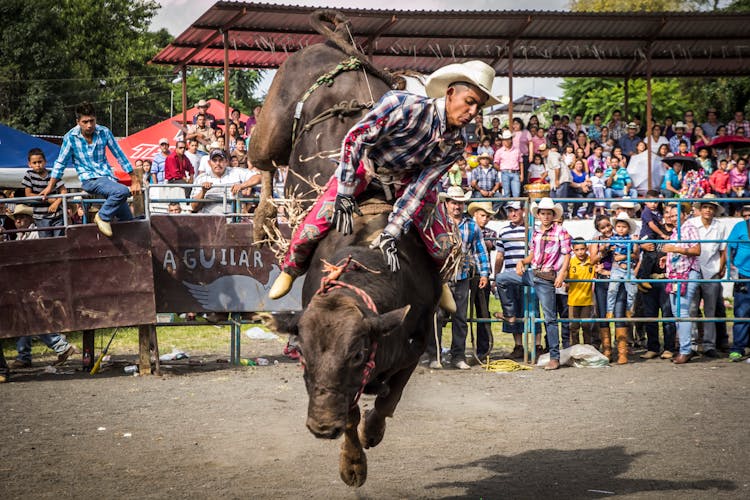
(14, 148)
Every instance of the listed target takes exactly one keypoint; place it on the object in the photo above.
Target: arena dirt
(646, 430)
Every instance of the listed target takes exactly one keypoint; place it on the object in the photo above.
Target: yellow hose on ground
(505, 366)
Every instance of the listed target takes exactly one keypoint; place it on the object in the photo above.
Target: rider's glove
(387, 245)
(343, 211)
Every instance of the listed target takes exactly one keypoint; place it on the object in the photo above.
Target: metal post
(510, 84)
(126, 113)
(171, 102)
(649, 117)
(225, 36)
(184, 99)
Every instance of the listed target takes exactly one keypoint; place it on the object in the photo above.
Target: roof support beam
(186, 60)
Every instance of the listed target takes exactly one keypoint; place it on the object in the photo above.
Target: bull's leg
(372, 429)
(352, 460)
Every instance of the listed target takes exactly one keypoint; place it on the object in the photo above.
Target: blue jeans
(116, 195)
(511, 180)
(459, 327)
(545, 292)
(58, 222)
(621, 275)
(619, 193)
(741, 330)
(54, 341)
(684, 328)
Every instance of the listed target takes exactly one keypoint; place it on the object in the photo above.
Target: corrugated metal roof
(542, 43)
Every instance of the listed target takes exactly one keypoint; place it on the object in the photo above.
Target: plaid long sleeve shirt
(475, 252)
(89, 160)
(402, 133)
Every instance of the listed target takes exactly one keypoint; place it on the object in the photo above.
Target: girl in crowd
(738, 180)
(601, 258)
(537, 172)
(672, 182)
(537, 140)
(580, 186)
(582, 142)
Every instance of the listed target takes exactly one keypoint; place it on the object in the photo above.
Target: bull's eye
(358, 358)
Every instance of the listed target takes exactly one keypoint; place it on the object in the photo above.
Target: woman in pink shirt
(521, 142)
(738, 180)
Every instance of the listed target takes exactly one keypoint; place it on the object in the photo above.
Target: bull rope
(331, 282)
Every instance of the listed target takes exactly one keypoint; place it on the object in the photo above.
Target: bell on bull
(406, 142)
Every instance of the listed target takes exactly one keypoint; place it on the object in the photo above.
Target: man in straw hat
(679, 136)
(549, 257)
(413, 140)
(475, 261)
(713, 265)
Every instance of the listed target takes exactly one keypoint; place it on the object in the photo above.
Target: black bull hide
(337, 330)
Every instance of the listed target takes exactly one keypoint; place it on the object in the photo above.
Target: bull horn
(384, 324)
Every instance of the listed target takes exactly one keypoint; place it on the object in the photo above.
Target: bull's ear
(281, 322)
(384, 324)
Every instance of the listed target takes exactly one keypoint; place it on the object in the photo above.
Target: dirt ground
(646, 430)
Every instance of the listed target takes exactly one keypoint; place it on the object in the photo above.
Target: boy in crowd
(46, 213)
(621, 247)
(580, 294)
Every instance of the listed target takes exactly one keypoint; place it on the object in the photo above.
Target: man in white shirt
(713, 261)
(212, 185)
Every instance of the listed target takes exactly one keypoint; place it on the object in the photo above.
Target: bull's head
(337, 338)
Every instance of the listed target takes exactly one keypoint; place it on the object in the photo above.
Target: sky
(177, 15)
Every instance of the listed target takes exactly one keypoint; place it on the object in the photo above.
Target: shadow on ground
(589, 473)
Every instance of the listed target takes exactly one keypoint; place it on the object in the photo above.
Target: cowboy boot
(446, 300)
(621, 336)
(606, 341)
(281, 286)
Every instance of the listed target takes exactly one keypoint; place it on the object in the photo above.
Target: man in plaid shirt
(549, 260)
(408, 137)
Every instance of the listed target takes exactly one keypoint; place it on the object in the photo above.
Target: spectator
(174, 208)
(668, 127)
(474, 132)
(652, 228)
(476, 254)
(6, 220)
(630, 140)
(552, 130)
(598, 188)
(279, 181)
(738, 122)
(672, 182)
(719, 182)
(601, 256)
(46, 214)
(618, 180)
(241, 154)
(580, 294)
(560, 140)
(582, 143)
(495, 131)
(211, 185)
(522, 143)
(537, 172)
(482, 213)
(177, 168)
(624, 257)
(711, 125)
(700, 141)
(509, 162)
(596, 160)
(210, 120)
(557, 173)
(148, 175)
(202, 132)
(485, 147)
(84, 146)
(536, 141)
(510, 250)
(455, 174)
(485, 181)
(689, 123)
(738, 180)
(656, 140)
(159, 159)
(577, 126)
(682, 265)
(194, 154)
(704, 161)
(594, 131)
(739, 257)
(617, 153)
(617, 127)
(679, 135)
(712, 262)
(549, 258)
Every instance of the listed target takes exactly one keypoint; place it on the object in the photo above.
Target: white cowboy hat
(478, 73)
(626, 203)
(203, 103)
(624, 218)
(547, 204)
(679, 125)
(484, 155)
(506, 135)
(632, 125)
(480, 205)
(455, 193)
(710, 199)
(21, 209)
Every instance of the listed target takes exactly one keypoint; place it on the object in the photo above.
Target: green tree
(208, 83)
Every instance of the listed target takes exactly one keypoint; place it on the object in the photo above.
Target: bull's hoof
(371, 429)
(353, 467)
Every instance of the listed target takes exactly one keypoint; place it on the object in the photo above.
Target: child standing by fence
(580, 294)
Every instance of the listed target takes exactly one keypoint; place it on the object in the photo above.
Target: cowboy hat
(506, 135)
(685, 207)
(455, 193)
(542, 147)
(632, 125)
(547, 204)
(484, 155)
(626, 203)
(710, 199)
(202, 104)
(513, 205)
(678, 125)
(480, 205)
(624, 218)
(478, 73)
(21, 209)
(163, 140)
